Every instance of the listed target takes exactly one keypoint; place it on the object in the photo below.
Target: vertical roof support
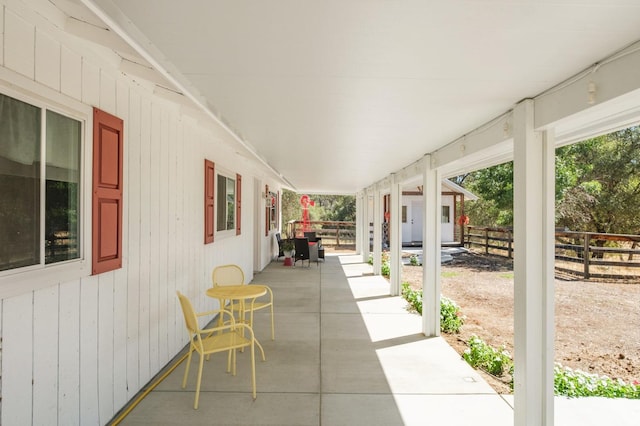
(360, 223)
(395, 235)
(534, 182)
(377, 231)
(431, 248)
(366, 227)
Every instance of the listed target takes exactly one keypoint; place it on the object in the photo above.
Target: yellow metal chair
(232, 275)
(223, 338)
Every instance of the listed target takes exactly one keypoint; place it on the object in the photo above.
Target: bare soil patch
(597, 323)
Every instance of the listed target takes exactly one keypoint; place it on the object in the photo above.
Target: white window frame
(29, 278)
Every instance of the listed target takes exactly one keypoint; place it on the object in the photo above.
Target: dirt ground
(597, 323)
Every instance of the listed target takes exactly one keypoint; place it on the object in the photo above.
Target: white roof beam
(487, 145)
(604, 97)
(145, 72)
(99, 35)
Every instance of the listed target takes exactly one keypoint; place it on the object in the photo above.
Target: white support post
(395, 236)
(431, 250)
(377, 232)
(533, 210)
(366, 229)
(360, 222)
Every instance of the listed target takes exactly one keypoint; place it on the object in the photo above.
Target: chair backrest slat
(302, 248)
(190, 318)
(227, 275)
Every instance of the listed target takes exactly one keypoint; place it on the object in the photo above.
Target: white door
(416, 220)
(406, 223)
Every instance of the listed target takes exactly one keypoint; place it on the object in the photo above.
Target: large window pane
(62, 188)
(19, 184)
(446, 214)
(226, 203)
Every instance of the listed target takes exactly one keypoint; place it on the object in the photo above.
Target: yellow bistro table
(243, 294)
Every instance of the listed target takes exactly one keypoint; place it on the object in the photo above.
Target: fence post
(338, 235)
(586, 255)
(510, 239)
(486, 240)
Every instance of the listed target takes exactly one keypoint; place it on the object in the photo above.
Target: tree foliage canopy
(601, 191)
(326, 208)
(494, 186)
(597, 186)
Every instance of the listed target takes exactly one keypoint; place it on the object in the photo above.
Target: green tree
(602, 188)
(339, 207)
(597, 186)
(494, 186)
(327, 207)
(290, 204)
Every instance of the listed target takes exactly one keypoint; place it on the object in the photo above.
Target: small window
(40, 185)
(445, 214)
(226, 204)
(404, 214)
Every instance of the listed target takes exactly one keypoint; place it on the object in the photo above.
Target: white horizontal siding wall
(76, 351)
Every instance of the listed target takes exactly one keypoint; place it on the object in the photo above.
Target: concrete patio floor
(346, 353)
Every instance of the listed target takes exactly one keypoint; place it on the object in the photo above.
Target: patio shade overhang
(335, 96)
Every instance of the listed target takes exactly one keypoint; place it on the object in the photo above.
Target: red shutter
(107, 192)
(238, 203)
(209, 193)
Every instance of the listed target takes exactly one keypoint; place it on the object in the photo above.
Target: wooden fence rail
(588, 254)
(338, 233)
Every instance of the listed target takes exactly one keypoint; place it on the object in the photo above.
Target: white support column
(366, 213)
(533, 210)
(431, 249)
(377, 232)
(395, 234)
(360, 227)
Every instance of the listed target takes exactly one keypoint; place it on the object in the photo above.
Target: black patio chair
(313, 239)
(280, 243)
(302, 250)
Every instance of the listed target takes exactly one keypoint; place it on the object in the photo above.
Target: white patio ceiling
(337, 94)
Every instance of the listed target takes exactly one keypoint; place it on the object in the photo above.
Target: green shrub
(413, 260)
(451, 320)
(567, 382)
(385, 267)
(481, 355)
(385, 270)
(414, 297)
(574, 383)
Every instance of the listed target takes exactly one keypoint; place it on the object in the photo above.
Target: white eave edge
(120, 24)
